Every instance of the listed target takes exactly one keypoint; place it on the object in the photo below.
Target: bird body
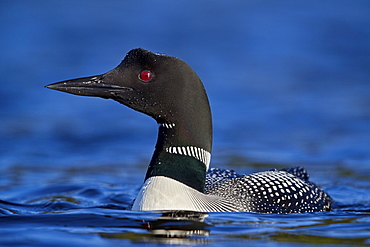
(178, 176)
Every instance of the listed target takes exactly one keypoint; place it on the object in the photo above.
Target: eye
(145, 75)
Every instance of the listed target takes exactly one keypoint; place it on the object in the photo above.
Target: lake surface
(288, 82)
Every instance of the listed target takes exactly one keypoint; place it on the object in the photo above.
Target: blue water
(288, 82)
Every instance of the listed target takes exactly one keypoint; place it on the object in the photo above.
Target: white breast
(162, 193)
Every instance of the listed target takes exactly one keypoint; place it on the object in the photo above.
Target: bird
(178, 177)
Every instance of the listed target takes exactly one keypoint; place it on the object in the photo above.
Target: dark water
(289, 84)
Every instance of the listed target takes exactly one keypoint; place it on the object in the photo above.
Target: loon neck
(183, 153)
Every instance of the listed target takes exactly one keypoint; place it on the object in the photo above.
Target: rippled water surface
(289, 85)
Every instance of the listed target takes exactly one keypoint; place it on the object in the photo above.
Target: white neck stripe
(168, 125)
(198, 153)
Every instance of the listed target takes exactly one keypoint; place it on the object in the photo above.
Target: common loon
(178, 176)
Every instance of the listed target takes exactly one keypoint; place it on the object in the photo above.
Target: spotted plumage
(271, 191)
(178, 176)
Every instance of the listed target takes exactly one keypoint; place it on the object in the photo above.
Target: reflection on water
(180, 227)
(179, 224)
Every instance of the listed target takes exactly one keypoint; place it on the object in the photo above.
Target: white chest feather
(163, 193)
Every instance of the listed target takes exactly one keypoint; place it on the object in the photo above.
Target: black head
(163, 87)
(157, 85)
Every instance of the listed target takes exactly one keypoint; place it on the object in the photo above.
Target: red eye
(145, 75)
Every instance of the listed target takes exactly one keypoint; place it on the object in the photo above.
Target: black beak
(90, 86)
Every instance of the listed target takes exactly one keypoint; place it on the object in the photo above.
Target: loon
(178, 177)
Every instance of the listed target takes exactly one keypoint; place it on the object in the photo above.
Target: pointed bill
(89, 86)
